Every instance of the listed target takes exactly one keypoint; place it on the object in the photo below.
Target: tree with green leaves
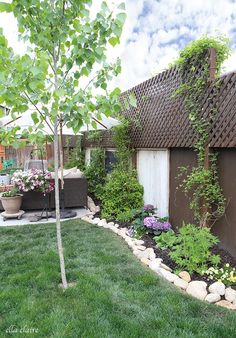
(63, 75)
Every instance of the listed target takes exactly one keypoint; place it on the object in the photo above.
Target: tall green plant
(207, 202)
(121, 139)
(95, 173)
(122, 192)
(68, 46)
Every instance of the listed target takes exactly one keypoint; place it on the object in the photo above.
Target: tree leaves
(5, 7)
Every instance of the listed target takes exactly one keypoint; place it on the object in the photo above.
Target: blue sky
(156, 30)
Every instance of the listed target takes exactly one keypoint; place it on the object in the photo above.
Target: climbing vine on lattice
(201, 182)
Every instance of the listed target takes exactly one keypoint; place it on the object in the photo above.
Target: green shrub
(96, 174)
(190, 249)
(76, 158)
(122, 193)
(166, 240)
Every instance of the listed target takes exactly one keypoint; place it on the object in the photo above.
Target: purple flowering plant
(33, 180)
(156, 224)
(145, 222)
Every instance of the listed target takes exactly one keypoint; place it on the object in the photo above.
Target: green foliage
(96, 174)
(75, 157)
(197, 50)
(11, 193)
(67, 45)
(208, 202)
(203, 185)
(166, 240)
(95, 136)
(122, 193)
(190, 249)
(121, 139)
(120, 296)
(226, 275)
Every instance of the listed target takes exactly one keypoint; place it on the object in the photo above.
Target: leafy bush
(76, 158)
(190, 249)
(96, 174)
(122, 193)
(166, 240)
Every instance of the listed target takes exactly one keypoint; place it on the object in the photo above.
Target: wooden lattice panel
(160, 119)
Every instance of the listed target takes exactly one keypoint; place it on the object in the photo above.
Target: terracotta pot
(11, 204)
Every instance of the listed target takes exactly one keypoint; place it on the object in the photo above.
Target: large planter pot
(11, 205)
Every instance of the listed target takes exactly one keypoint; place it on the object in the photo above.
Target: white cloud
(155, 31)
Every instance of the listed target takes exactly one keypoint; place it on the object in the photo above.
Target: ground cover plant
(190, 248)
(114, 296)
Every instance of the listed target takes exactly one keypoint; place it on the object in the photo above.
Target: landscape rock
(167, 268)
(96, 220)
(92, 207)
(102, 223)
(86, 219)
(212, 298)
(152, 256)
(197, 289)
(181, 283)
(155, 264)
(185, 276)
(171, 277)
(117, 225)
(226, 304)
(111, 224)
(141, 247)
(230, 295)
(217, 287)
(145, 261)
(139, 242)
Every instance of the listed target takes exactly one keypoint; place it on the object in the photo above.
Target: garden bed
(225, 257)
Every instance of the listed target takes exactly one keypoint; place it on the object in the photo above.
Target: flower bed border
(217, 292)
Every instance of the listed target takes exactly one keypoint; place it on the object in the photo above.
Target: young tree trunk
(57, 205)
(57, 195)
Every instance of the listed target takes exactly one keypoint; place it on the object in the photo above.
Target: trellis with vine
(202, 182)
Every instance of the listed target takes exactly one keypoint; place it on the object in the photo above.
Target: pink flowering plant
(33, 180)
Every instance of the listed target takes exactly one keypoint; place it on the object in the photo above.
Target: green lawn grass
(115, 296)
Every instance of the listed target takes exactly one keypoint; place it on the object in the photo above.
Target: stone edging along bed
(216, 293)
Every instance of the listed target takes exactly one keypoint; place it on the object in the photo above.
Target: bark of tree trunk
(57, 205)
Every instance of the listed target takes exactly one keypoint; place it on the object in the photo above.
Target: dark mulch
(164, 254)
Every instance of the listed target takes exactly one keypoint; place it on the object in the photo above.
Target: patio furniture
(75, 196)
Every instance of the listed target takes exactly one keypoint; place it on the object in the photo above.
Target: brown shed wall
(225, 228)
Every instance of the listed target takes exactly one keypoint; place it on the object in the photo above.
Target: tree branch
(39, 111)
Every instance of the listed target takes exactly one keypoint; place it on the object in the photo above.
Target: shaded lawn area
(115, 295)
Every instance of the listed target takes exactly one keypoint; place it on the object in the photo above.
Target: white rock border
(216, 293)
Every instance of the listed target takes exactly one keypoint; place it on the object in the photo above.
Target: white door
(153, 174)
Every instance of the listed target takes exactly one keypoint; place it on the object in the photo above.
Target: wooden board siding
(225, 228)
(179, 203)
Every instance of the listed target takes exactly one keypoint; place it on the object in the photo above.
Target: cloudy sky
(156, 30)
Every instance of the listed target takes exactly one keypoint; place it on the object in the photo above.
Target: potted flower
(11, 201)
(33, 180)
